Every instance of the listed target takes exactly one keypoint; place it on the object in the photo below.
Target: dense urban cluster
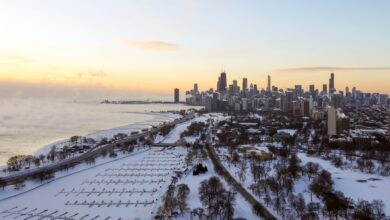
(350, 117)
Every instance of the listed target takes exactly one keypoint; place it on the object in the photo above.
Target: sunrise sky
(153, 46)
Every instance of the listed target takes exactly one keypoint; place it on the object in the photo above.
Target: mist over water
(27, 124)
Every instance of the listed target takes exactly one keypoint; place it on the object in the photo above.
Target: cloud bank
(74, 77)
(315, 69)
(151, 45)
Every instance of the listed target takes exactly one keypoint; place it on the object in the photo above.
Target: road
(261, 209)
(25, 174)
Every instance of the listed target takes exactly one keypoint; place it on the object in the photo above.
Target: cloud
(315, 69)
(151, 45)
(75, 77)
(90, 75)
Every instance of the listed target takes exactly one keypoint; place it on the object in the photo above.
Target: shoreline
(158, 117)
(105, 133)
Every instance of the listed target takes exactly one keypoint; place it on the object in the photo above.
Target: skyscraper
(332, 121)
(244, 84)
(289, 101)
(331, 83)
(196, 87)
(354, 92)
(269, 83)
(337, 100)
(236, 88)
(311, 89)
(325, 89)
(222, 82)
(283, 103)
(177, 95)
(255, 89)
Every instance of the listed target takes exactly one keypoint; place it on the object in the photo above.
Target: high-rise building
(346, 91)
(332, 121)
(337, 100)
(338, 122)
(325, 89)
(235, 83)
(354, 92)
(196, 87)
(289, 101)
(244, 84)
(222, 83)
(298, 108)
(306, 108)
(298, 90)
(331, 83)
(244, 104)
(219, 84)
(269, 83)
(383, 99)
(311, 89)
(177, 95)
(283, 103)
(236, 88)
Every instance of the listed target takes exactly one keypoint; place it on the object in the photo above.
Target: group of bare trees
(196, 154)
(164, 130)
(195, 129)
(218, 201)
(373, 161)
(174, 200)
(336, 205)
(277, 189)
(17, 162)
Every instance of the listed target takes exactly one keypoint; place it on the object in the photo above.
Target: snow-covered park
(242, 209)
(353, 183)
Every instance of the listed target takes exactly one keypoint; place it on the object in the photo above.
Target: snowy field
(355, 184)
(127, 188)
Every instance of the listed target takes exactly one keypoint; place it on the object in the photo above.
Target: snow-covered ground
(241, 208)
(10, 191)
(291, 132)
(352, 183)
(125, 188)
(174, 135)
(234, 170)
(355, 184)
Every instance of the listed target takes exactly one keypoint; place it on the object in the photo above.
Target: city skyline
(152, 48)
(296, 100)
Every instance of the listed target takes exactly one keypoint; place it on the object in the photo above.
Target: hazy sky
(154, 46)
